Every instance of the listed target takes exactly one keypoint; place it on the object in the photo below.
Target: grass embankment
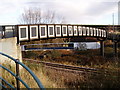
(89, 58)
(70, 80)
(52, 78)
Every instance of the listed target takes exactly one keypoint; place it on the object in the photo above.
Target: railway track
(66, 67)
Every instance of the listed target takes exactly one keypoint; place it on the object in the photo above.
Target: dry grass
(89, 58)
(39, 70)
(26, 77)
(55, 78)
(52, 78)
(7, 76)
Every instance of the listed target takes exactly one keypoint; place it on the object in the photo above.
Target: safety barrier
(16, 75)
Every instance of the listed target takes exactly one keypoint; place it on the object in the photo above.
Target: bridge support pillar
(102, 48)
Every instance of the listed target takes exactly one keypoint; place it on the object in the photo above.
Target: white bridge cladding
(45, 31)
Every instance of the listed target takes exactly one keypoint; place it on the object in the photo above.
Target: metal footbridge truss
(30, 32)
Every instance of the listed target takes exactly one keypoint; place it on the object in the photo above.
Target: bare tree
(49, 17)
(31, 16)
(36, 16)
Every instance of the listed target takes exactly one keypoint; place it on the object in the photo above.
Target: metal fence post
(17, 75)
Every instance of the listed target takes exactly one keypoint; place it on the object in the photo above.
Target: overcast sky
(74, 11)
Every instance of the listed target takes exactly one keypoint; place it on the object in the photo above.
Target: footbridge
(47, 31)
(33, 32)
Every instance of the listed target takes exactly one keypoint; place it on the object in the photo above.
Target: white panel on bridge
(91, 31)
(84, 31)
(94, 31)
(101, 33)
(75, 31)
(104, 33)
(43, 31)
(9, 27)
(97, 32)
(58, 30)
(51, 31)
(88, 32)
(70, 30)
(33, 32)
(64, 30)
(80, 30)
(23, 33)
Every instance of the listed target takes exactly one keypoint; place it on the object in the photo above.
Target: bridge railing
(113, 36)
(16, 75)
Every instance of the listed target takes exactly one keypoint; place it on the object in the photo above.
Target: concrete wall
(10, 47)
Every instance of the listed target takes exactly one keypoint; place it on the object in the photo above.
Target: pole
(113, 23)
(17, 75)
(102, 48)
(116, 45)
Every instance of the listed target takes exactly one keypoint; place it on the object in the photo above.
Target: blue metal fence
(16, 75)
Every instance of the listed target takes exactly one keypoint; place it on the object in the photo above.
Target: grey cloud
(42, 4)
(35, 3)
(97, 9)
(7, 8)
(38, 2)
(72, 12)
(92, 12)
